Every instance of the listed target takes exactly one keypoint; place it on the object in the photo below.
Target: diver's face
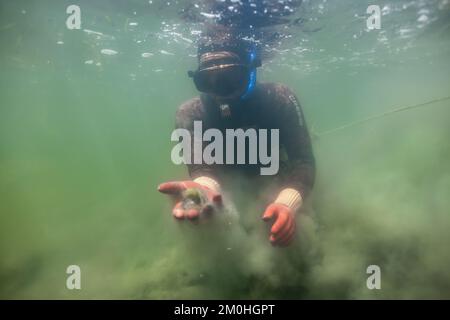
(224, 82)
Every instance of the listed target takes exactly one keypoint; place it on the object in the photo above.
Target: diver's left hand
(283, 228)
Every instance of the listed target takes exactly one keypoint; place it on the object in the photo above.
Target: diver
(231, 98)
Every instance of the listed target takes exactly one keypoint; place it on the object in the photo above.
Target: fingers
(178, 211)
(285, 238)
(180, 214)
(283, 224)
(269, 213)
(285, 233)
(172, 187)
(192, 214)
(283, 219)
(284, 228)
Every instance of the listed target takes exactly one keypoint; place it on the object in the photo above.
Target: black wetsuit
(271, 106)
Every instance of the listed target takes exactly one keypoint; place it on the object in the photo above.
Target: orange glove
(176, 188)
(282, 212)
(283, 228)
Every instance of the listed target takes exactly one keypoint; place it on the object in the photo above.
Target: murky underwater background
(85, 140)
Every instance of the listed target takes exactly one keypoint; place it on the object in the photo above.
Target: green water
(85, 140)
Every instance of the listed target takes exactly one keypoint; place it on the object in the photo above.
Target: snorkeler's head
(227, 67)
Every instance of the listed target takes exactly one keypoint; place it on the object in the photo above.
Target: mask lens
(223, 81)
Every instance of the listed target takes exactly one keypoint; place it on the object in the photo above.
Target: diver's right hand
(176, 190)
